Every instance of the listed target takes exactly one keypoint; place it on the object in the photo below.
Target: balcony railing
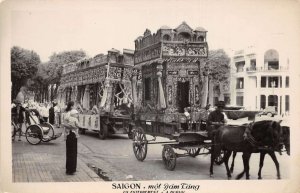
(264, 69)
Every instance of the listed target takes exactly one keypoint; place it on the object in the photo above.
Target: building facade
(260, 78)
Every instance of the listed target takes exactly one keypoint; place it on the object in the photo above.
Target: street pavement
(45, 162)
(113, 160)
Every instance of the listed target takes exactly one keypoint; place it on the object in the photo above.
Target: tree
(24, 65)
(216, 70)
(50, 72)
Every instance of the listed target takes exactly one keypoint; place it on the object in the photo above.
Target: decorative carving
(197, 97)
(171, 49)
(170, 95)
(146, 54)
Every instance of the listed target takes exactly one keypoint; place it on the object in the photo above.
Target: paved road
(113, 159)
(117, 153)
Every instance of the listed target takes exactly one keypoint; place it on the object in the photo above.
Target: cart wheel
(139, 144)
(103, 133)
(49, 134)
(220, 159)
(34, 134)
(169, 157)
(193, 152)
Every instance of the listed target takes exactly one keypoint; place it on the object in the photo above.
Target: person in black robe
(71, 145)
(52, 114)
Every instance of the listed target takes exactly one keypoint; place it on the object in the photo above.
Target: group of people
(70, 123)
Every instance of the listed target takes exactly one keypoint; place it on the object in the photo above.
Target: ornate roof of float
(128, 51)
(184, 27)
(114, 50)
(165, 27)
(200, 29)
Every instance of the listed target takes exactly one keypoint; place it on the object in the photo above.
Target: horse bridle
(257, 144)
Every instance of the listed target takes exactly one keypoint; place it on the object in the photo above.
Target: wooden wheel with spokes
(139, 144)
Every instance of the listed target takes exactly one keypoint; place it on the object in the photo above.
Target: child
(71, 123)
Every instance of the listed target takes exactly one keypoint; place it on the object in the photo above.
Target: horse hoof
(259, 178)
(211, 175)
(229, 177)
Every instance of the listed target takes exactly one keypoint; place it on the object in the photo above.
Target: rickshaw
(38, 130)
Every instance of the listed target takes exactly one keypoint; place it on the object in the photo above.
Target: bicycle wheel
(34, 134)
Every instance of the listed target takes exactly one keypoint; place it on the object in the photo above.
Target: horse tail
(240, 175)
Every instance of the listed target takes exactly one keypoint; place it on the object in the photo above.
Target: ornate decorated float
(101, 89)
(170, 91)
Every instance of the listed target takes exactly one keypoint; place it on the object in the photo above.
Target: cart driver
(215, 119)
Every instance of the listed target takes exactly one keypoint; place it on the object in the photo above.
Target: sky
(97, 26)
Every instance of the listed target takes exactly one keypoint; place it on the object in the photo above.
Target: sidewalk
(46, 163)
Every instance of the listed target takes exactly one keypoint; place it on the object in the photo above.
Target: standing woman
(71, 143)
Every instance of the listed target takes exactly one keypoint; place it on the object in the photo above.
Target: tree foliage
(50, 72)
(217, 66)
(24, 65)
(215, 69)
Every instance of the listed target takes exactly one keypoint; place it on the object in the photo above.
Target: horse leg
(274, 158)
(212, 158)
(261, 163)
(247, 167)
(239, 176)
(227, 155)
(232, 163)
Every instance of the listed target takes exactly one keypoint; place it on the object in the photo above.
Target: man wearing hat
(215, 119)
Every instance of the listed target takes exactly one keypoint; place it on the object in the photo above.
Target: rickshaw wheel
(34, 134)
(103, 133)
(139, 144)
(50, 133)
(193, 152)
(169, 157)
(220, 159)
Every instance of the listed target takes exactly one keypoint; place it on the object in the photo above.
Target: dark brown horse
(261, 135)
(285, 137)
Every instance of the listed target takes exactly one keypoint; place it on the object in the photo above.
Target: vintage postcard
(147, 96)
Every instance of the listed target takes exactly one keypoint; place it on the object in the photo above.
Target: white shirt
(44, 111)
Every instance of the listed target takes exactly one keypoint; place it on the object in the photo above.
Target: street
(113, 159)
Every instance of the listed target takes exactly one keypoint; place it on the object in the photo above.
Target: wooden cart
(167, 84)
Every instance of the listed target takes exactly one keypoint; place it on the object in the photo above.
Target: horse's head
(267, 132)
(285, 137)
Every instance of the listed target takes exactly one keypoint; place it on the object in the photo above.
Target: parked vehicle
(101, 89)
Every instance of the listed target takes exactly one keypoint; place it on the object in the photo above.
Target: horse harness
(258, 145)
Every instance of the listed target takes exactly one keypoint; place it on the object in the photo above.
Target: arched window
(271, 59)
(166, 37)
(184, 36)
(201, 39)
